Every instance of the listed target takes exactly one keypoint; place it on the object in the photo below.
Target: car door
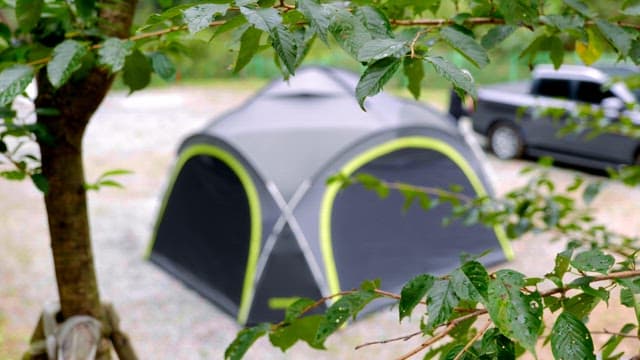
(544, 123)
(605, 147)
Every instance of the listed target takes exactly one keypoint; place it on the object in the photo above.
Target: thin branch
(607, 332)
(428, 190)
(476, 337)
(429, 342)
(474, 21)
(479, 312)
(613, 276)
(400, 338)
(414, 41)
(443, 22)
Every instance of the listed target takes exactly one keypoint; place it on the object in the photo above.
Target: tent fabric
(249, 221)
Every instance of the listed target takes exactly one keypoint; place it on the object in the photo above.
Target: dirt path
(164, 319)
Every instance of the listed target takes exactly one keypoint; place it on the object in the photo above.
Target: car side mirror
(612, 106)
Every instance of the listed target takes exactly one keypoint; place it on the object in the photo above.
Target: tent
(249, 221)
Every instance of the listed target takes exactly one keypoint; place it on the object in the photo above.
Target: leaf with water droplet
(570, 339)
(511, 309)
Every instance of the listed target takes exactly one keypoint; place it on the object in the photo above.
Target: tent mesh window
(206, 226)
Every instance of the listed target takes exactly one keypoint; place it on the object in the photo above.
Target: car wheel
(505, 141)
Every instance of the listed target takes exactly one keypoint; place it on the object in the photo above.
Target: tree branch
(429, 341)
(400, 338)
(474, 21)
(479, 312)
(476, 337)
(607, 332)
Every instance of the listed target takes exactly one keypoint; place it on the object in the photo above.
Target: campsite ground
(164, 319)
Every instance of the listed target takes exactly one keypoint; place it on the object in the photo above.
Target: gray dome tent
(249, 221)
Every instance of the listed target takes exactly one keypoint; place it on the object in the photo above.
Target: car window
(592, 92)
(554, 88)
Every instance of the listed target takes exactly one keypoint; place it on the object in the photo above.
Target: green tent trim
(352, 166)
(254, 209)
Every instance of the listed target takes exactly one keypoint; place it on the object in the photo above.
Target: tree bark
(66, 201)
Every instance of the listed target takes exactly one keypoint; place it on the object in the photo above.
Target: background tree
(74, 49)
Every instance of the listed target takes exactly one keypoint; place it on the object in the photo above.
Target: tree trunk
(66, 201)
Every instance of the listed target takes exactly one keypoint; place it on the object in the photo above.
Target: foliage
(65, 40)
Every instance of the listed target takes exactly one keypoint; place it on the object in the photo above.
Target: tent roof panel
(311, 119)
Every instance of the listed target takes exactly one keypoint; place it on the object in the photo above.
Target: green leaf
(552, 303)
(318, 16)
(163, 66)
(497, 346)
(85, 8)
(3, 146)
(13, 174)
(296, 308)
(285, 46)
(116, 172)
(349, 32)
(471, 281)
(109, 183)
(516, 314)
(113, 53)
(5, 32)
(564, 22)
(634, 53)
(631, 299)
(460, 80)
(441, 300)
(200, 16)
(413, 292)
(570, 339)
(28, 13)
(593, 260)
(232, 23)
(617, 36)
(562, 262)
(580, 7)
(263, 19)
(283, 41)
(609, 347)
(591, 191)
(374, 77)
(382, 48)
(496, 35)
(371, 182)
(244, 340)
(66, 59)
(414, 71)
(300, 329)
(534, 47)
(580, 305)
(13, 82)
(458, 352)
(40, 181)
(431, 5)
(338, 313)
(249, 46)
(466, 46)
(137, 71)
(556, 50)
(518, 11)
(374, 21)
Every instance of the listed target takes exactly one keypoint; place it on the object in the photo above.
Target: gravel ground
(164, 319)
